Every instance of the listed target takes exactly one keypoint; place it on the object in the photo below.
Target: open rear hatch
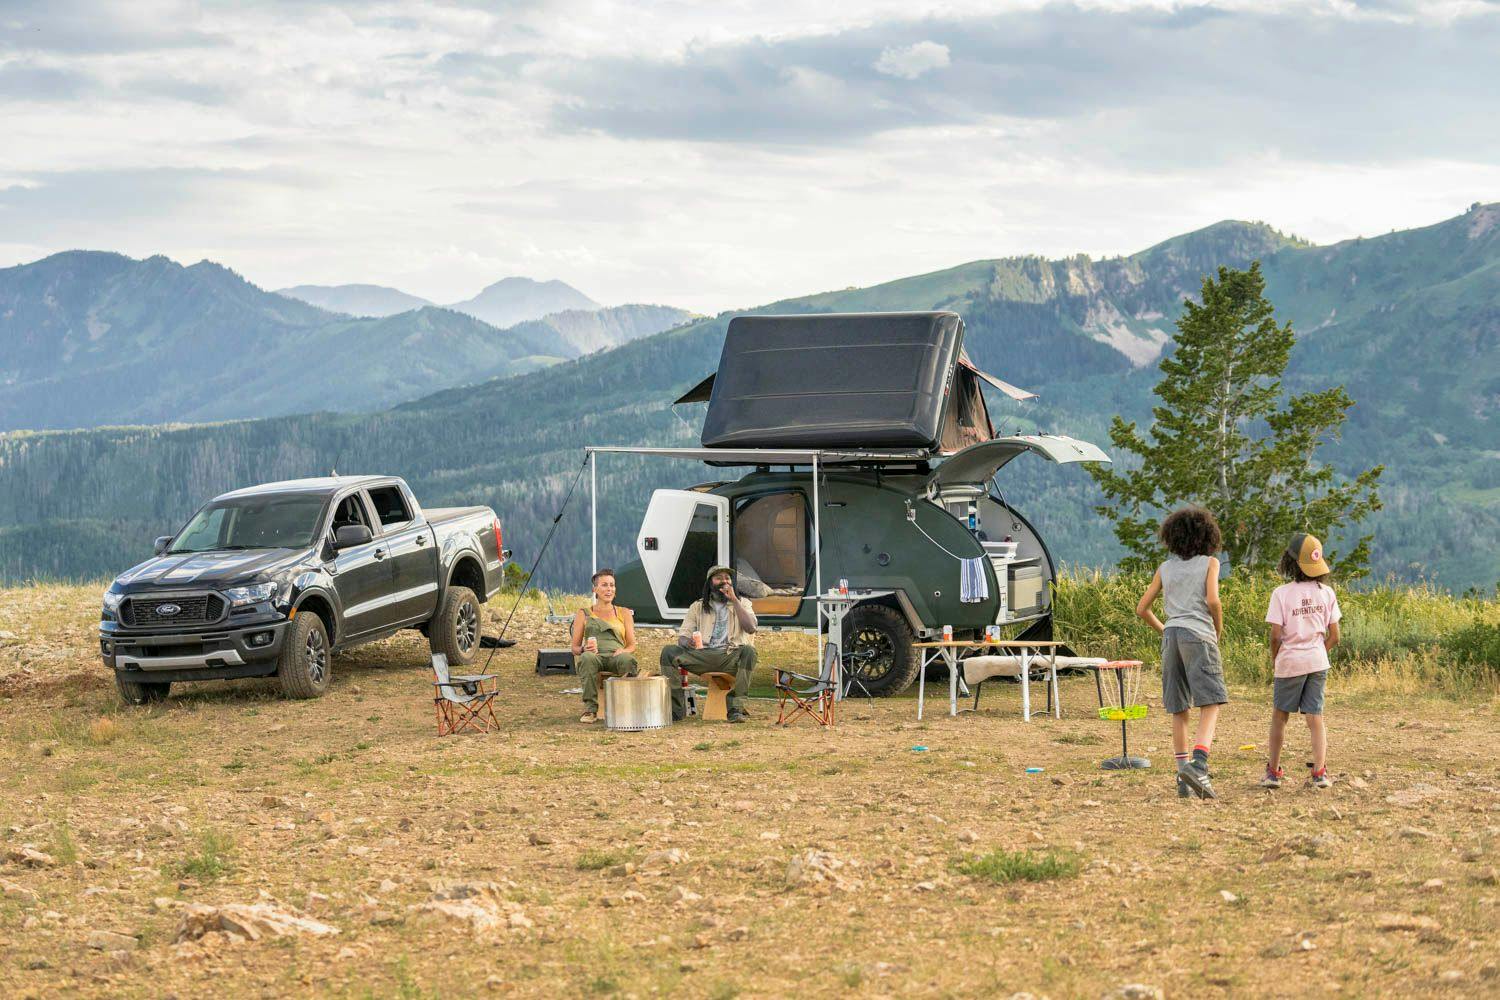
(977, 463)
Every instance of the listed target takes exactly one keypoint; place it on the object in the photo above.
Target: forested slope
(1410, 322)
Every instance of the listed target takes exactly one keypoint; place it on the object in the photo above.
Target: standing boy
(1192, 674)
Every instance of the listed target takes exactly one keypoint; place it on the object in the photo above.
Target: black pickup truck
(274, 579)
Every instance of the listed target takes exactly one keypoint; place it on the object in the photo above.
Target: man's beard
(718, 596)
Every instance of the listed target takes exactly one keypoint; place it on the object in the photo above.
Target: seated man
(715, 637)
(603, 641)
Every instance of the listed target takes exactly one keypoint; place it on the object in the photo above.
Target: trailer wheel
(305, 669)
(878, 641)
(142, 692)
(455, 630)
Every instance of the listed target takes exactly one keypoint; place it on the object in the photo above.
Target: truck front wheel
(879, 641)
(305, 668)
(455, 630)
(142, 692)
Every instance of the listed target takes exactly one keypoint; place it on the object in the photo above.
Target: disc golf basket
(1120, 701)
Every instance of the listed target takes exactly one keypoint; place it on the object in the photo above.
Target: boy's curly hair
(1292, 570)
(1191, 531)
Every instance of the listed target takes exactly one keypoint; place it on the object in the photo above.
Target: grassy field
(718, 861)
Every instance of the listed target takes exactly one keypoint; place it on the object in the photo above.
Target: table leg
(950, 656)
(1056, 694)
(921, 685)
(1025, 685)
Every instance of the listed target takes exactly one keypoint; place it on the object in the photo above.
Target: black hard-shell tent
(846, 380)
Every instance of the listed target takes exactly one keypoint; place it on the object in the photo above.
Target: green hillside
(98, 338)
(1410, 322)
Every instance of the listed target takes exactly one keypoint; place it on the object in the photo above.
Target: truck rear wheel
(305, 668)
(879, 641)
(142, 692)
(455, 630)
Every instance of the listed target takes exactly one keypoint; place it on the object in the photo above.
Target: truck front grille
(193, 610)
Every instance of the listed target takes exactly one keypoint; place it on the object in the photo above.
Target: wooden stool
(717, 707)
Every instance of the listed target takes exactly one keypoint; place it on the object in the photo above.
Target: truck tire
(879, 641)
(142, 692)
(455, 630)
(305, 667)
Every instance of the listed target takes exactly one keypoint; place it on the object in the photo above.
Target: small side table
(833, 608)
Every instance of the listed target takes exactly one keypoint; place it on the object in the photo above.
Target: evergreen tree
(1221, 437)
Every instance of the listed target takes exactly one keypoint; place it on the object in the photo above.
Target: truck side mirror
(350, 535)
(161, 544)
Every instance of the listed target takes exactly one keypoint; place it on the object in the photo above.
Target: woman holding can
(603, 642)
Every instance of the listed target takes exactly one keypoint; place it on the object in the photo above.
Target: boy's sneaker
(1183, 790)
(1195, 776)
(1272, 778)
(1320, 779)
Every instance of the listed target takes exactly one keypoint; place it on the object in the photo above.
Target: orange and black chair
(803, 694)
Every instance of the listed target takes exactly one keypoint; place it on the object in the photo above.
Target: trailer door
(683, 535)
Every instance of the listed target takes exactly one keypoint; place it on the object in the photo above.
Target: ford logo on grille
(167, 610)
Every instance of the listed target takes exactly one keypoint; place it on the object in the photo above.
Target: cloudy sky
(724, 154)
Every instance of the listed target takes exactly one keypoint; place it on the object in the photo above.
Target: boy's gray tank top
(1182, 592)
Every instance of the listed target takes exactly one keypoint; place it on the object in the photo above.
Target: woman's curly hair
(1191, 531)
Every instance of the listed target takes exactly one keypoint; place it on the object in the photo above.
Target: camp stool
(463, 701)
(815, 697)
(716, 709)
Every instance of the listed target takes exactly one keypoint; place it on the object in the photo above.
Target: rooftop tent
(842, 380)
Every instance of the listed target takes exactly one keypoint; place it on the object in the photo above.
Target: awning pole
(817, 532)
(594, 510)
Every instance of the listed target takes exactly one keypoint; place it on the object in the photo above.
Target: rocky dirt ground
(230, 843)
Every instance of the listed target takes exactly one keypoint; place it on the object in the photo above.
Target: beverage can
(947, 633)
(843, 588)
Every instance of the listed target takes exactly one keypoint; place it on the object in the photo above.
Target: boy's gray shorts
(1301, 694)
(1191, 674)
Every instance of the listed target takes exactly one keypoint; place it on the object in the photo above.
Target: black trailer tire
(455, 630)
(878, 642)
(142, 692)
(305, 667)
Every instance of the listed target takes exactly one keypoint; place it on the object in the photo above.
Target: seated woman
(603, 642)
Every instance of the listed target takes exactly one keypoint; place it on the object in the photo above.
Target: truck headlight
(112, 601)
(250, 595)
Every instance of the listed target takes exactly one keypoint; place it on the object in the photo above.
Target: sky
(724, 155)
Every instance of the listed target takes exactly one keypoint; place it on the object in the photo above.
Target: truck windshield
(252, 523)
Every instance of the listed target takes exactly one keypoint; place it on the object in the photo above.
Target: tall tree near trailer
(1222, 436)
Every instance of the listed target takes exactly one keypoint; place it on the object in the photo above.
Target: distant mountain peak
(515, 299)
(356, 299)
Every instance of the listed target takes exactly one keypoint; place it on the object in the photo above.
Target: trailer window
(700, 550)
(771, 552)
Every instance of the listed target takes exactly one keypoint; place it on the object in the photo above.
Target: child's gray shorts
(1301, 694)
(1191, 674)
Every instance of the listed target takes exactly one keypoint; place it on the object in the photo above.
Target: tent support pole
(594, 511)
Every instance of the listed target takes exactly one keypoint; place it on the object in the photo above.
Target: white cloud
(911, 61)
(718, 156)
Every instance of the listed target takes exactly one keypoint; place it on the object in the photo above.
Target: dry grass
(958, 872)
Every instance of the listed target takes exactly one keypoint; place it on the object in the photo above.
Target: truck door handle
(421, 539)
(380, 553)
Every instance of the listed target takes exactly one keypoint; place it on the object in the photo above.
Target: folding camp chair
(815, 698)
(463, 701)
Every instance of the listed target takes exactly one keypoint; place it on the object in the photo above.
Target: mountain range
(93, 338)
(505, 303)
(1408, 321)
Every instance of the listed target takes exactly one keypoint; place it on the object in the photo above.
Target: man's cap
(1308, 552)
(720, 569)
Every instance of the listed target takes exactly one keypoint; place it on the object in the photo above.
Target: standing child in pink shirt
(1304, 617)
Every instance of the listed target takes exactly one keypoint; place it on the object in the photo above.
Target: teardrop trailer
(873, 460)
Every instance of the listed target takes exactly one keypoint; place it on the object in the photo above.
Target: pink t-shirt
(1304, 611)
